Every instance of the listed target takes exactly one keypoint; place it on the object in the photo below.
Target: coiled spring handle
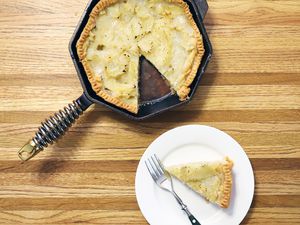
(53, 128)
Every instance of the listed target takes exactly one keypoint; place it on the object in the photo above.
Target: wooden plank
(96, 203)
(238, 97)
(135, 153)
(246, 13)
(258, 216)
(105, 166)
(94, 135)
(96, 180)
(279, 181)
(29, 7)
(70, 217)
(235, 53)
(129, 203)
(38, 79)
(276, 216)
(97, 114)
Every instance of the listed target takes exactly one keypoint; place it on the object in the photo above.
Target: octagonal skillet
(153, 100)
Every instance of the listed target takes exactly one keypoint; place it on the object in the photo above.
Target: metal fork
(164, 180)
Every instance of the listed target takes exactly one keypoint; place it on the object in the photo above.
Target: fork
(164, 180)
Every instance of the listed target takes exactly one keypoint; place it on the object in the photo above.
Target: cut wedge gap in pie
(152, 85)
(212, 180)
(119, 32)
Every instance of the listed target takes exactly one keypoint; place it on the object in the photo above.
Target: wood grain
(251, 90)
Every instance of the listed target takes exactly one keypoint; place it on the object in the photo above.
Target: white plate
(189, 144)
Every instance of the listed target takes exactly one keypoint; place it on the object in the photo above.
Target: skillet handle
(54, 127)
(202, 7)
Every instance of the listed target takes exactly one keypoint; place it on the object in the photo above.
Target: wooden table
(251, 90)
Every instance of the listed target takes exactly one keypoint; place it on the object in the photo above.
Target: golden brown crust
(190, 74)
(96, 83)
(226, 192)
(81, 50)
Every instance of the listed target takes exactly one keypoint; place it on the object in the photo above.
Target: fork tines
(155, 167)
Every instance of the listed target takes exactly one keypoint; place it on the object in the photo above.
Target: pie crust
(184, 81)
(221, 186)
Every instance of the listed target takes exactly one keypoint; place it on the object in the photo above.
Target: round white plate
(190, 144)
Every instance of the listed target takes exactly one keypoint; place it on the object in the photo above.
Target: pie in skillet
(212, 180)
(119, 32)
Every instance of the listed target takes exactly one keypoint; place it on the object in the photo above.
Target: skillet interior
(147, 108)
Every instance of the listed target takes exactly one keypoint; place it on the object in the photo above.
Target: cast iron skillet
(54, 127)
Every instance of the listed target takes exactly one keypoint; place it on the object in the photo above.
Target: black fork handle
(185, 208)
(193, 220)
(54, 127)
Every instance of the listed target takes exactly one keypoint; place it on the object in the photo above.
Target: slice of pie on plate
(119, 32)
(212, 180)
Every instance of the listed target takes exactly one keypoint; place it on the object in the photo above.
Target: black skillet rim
(156, 108)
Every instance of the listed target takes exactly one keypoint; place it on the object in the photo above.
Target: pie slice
(119, 32)
(212, 180)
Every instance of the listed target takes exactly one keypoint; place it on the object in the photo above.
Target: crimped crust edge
(96, 83)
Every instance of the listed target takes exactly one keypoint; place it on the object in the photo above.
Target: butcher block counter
(251, 90)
